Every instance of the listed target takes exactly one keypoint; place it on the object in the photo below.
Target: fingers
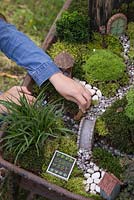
(24, 89)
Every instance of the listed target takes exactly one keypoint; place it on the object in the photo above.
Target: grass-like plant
(31, 125)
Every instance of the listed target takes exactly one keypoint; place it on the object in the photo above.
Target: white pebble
(93, 192)
(87, 175)
(91, 171)
(95, 98)
(89, 180)
(97, 188)
(88, 86)
(96, 181)
(87, 188)
(84, 182)
(96, 175)
(96, 168)
(91, 164)
(83, 83)
(93, 186)
(102, 174)
(99, 93)
(95, 88)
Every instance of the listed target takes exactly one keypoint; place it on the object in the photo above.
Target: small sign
(61, 165)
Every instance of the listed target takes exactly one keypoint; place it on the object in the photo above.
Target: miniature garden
(104, 64)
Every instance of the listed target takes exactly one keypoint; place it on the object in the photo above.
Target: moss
(101, 127)
(80, 6)
(106, 63)
(112, 42)
(65, 144)
(108, 89)
(51, 178)
(120, 127)
(76, 186)
(105, 160)
(72, 27)
(31, 161)
(129, 109)
(130, 32)
(68, 145)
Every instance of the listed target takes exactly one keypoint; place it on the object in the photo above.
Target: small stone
(84, 182)
(87, 175)
(93, 192)
(99, 94)
(87, 187)
(91, 164)
(96, 168)
(97, 188)
(95, 98)
(91, 171)
(88, 86)
(96, 175)
(89, 180)
(83, 83)
(93, 186)
(95, 88)
(102, 174)
(96, 181)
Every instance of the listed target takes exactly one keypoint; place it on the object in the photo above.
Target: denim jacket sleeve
(18, 47)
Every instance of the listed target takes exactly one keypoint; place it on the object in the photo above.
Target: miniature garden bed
(107, 153)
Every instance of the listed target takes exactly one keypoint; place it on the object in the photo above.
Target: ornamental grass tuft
(31, 125)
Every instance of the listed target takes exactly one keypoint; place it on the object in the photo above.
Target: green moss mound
(66, 144)
(72, 27)
(105, 160)
(129, 110)
(103, 65)
(120, 127)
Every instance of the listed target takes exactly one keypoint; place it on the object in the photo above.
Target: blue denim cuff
(44, 72)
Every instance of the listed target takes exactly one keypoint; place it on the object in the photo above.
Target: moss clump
(101, 127)
(104, 66)
(112, 42)
(66, 144)
(129, 110)
(119, 126)
(76, 186)
(107, 161)
(72, 27)
(108, 89)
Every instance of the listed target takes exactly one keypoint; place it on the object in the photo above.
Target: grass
(31, 125)
(34, 18)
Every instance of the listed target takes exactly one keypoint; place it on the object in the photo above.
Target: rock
(89, 180)
(90, 171)
(88, 86)
(97, 188)
(84, 182)
(86, 175)
(99, 94)
(95, 98)
(96, 168)
(102, 174)
(96, 175)
(93, 192)
(91, 164)
(87, 187)
(83, 83)
(93, 186)
(96, 181)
